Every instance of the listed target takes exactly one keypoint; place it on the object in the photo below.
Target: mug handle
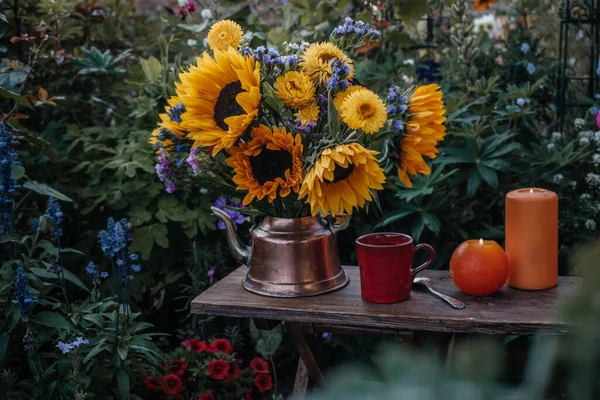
(431, 252)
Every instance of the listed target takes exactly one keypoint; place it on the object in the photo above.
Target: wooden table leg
(301, 382)
(306, 344)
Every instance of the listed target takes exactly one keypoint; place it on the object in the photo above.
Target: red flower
(171, 384)
(195, 345)
(260, 365)
(234, 371)
(178, 367)
(207, 396)
(263, 382)
(221, 345)
(153, 383)
(191, 6)
(248, 394)
(218, 369)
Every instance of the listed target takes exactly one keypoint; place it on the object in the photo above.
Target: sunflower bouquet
(293, 133)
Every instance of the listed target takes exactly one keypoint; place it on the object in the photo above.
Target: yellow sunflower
(308, 114)
(224, 34)
(424, 129)
(295, 89)
(339, 98)
(482, 5)
(221, 98)
(158, 144)
(269, 165)
(342, 178)
(364, 110)
(316, 61)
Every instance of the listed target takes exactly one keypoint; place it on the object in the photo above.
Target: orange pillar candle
(532, 238)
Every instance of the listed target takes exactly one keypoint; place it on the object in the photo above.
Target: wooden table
(509, 312)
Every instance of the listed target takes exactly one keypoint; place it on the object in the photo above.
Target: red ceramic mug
(385, 261)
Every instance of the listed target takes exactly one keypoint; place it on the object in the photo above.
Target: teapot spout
(240, 251)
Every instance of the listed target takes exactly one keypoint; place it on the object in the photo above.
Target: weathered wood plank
(510, 311)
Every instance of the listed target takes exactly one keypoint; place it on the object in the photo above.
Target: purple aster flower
(210, 274)
(222, 203)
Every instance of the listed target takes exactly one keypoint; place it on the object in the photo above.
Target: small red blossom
(207, 396)
(178, 367)
(153, 383)
(221, 345)
(259, 365)
(263, 382)
(234, 371)
(171, 384)
(191, 7)
(195, 345)
(248, 394)
(218, 369)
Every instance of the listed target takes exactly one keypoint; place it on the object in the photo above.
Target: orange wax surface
(479, 267)
(532, 238)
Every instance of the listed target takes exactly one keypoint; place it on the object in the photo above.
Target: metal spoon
(427, 283)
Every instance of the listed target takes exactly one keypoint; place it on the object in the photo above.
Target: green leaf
(268, 342)
(22, 100)
(17, 172)
(393, 217)
(52, 319)
(3, 18)
(48, 246)
(152, 68)
(432, 222)
(97, 349)
(196, 28)
(123, 384)
(488, 175)
(474, 182)
(4, 340)
(46, 190)
(74, 279)
(417, 228)
(11, 238)
(122, 350)
(145, 237)
(333, 117)
(42, 273)
(95, 319)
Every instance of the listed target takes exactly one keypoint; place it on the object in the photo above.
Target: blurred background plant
(80, 83)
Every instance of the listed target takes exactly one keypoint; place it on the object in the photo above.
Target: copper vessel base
(278, 289)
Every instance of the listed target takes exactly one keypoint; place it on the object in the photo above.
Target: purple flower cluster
(339, 76)
(8, 158)
(164, 171)
(175, 112)
(271, 57)
(222, 203)
(397, 105)
(300, 127)
(23, 296)
(55, 215)
(192, 160)
(323, 102)
(357, 29)
(67, 347)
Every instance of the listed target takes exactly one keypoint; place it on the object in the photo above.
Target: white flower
(573, 184)
(596, 159)
(558, 178)
(408, 80)
(556, 136)
(596, 137)
(191, 42)
(584, 141)
(585, 196)
(550, 146)
(590, 225)
(182, 3)
(409, 61)
(593, 180)
(205, 13)
(579, 123)
(487, 23)
(303, 46)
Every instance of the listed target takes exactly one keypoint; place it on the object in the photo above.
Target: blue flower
(114, 239)
(397, 125)
(593, 110)
(530, 68)
(525, 48)
(135, 268)
(55, 215)
(8, 158)
(104, 275)
(356, 31)
(175, 112)
(235, 216)
(35, 225)
(91, 269)
(23, 296)
(67, 347)
(521, 102)
(391, 109)
(402, 108)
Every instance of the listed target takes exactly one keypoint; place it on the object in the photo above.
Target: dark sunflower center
(341, 173)
(326, 57)
(294, 85)
(270, 164)
(226, 106)
(366, 110)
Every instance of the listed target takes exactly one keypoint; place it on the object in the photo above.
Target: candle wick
(481, 242)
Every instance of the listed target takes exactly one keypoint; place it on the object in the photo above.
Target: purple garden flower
(164, 171)
(192, 160)
(235, 216)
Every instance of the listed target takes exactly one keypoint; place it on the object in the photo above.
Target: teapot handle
(345, 223)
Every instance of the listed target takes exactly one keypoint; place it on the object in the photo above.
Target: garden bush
(100, 262)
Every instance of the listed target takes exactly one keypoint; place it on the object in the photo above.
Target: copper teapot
(289, 257)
